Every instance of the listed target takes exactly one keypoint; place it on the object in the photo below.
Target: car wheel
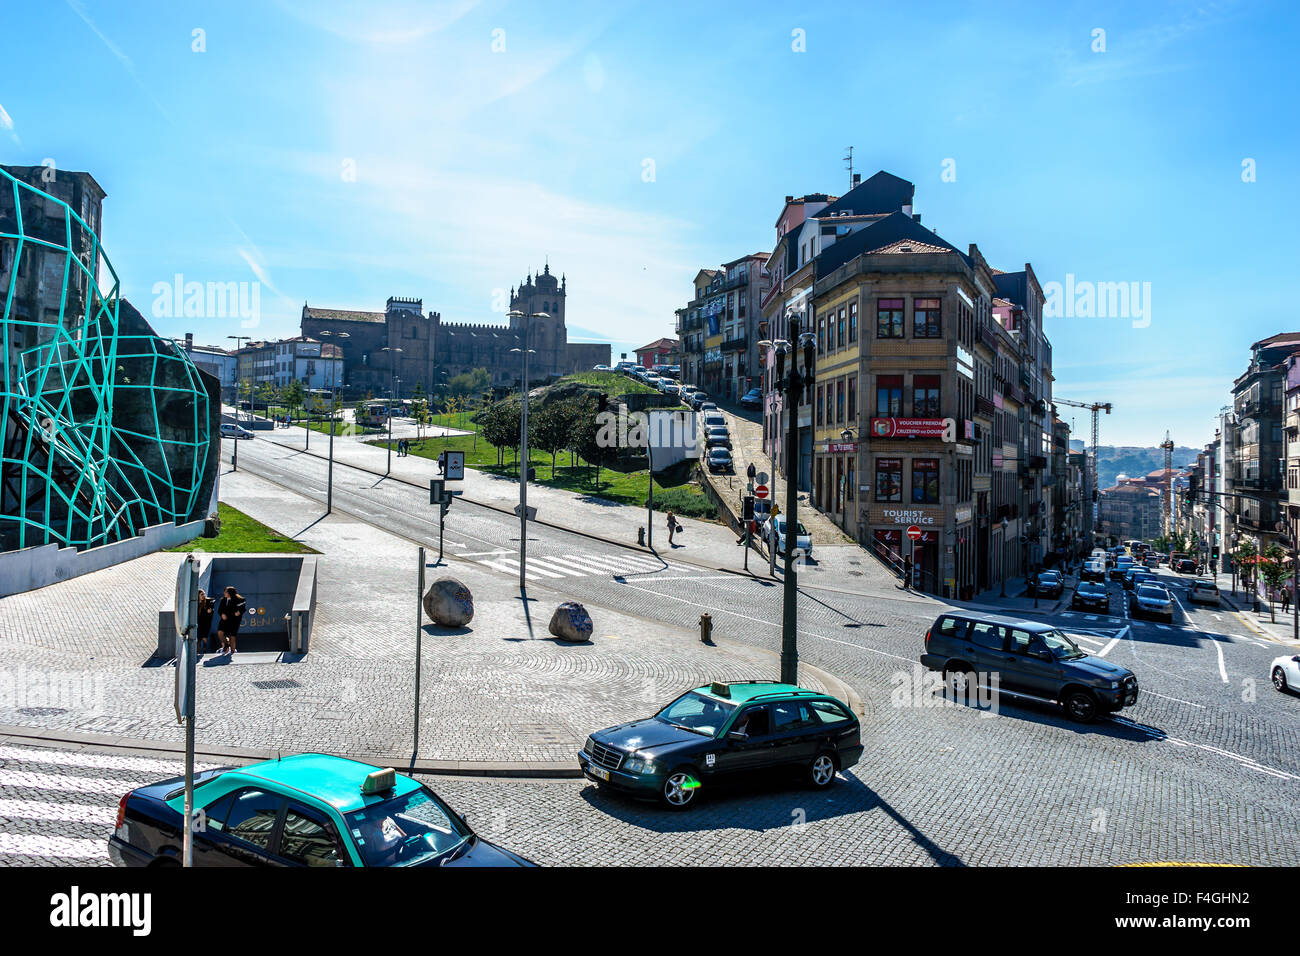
(1081, 706)
(679, 789)
(960, 679)
(1279, 679)
(821, 772)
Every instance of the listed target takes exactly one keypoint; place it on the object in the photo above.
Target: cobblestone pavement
(1203, 768)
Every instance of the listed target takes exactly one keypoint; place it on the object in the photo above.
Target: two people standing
(231, 611)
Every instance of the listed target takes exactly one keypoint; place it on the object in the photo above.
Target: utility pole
(524, 352)
(792, 386)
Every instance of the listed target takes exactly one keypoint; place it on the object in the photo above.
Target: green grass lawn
(612, 382)
(686, 500)
(240, 534)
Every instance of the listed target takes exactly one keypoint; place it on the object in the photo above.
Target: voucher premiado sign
(911, 427)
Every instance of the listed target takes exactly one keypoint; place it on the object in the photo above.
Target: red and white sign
(835, 448)
(907, 427)
(760, 491)
(914, 533)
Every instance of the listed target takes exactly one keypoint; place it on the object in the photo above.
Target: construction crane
(1094, 407)
(1168, 446)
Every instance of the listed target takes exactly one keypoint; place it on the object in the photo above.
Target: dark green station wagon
(724, 734)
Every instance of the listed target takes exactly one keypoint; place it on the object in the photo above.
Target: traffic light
(747, 508)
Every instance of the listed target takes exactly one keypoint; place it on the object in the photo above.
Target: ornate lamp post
(524, 351)
(792, 383)
(392, 389)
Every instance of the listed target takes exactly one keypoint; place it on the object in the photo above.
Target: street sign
(532, 512)
(186, 605)
(914, 533)
(435, 491)
(452, 464)
(760, 491)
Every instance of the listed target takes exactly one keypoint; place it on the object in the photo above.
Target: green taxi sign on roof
(719, 689)
(380, 781)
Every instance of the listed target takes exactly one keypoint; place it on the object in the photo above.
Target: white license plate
(600, 772)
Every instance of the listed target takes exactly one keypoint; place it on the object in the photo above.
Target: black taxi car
(723, 734)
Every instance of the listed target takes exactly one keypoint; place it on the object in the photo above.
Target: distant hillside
(1132, 461)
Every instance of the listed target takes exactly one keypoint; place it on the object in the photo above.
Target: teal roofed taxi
(303, 810)
(724, 734)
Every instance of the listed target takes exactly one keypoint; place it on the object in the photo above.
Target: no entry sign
(760, 491)
(914, 533)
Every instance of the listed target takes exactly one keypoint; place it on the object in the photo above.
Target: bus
(318, 401)
(372, 414)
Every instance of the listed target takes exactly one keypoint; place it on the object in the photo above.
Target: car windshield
(1060, 645)
(1153, 593)
(411, 829)
(1047, 576)
(719, 453)
(780, 527)
(1091, 588)
(695, 712)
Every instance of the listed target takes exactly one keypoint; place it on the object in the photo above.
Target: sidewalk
(1261, 624)
(501, 696)
(1018, 599)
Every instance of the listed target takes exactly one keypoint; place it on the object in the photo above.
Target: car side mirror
(737, 735)
(1042, 653)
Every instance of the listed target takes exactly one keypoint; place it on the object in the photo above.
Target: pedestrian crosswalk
(558, 567)
(59, 806)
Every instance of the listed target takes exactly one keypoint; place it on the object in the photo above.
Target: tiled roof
(658, 345)
(905, 246)
(342, 315)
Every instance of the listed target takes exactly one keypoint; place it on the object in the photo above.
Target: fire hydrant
(640, 536)
(706, 629)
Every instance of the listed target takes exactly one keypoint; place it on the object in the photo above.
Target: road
(1204, 768)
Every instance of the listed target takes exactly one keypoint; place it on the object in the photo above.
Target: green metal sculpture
(108, 428)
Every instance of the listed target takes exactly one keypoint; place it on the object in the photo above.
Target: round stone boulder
(449, 603)
(571, 622)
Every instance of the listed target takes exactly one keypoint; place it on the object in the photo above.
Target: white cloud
(7, 124)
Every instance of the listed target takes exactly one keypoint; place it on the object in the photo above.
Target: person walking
(231, 609)
(206, 607)
(1286, 598)
(672, 528)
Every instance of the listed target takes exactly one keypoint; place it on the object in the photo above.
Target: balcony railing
(984, 406)
(986, 336)
(734, 345)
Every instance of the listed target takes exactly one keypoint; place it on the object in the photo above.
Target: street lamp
(329, 482)
(524, 351)
(1003, 575)
(239, 340)
(392, 387)
(333, 384)
(792, 383)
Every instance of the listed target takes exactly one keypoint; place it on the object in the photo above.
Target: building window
(842, 341)
(850, 479)
(839, 484)
(853, 321)
(925, 480)
(889, 319)
(839, 402)
(853, 398)
(821, 335)
(820, 405)
(889, 396)
(889, 479)
(925, 396)
(925, 319)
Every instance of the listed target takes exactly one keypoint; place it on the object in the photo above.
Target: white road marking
(1178, 742)
(35, 844)
(483, 554)
(63, 812)
(1177, 699)
(1115, 640)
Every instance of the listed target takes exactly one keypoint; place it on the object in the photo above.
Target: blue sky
(473, 164)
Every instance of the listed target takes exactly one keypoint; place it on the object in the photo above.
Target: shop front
(889, 529)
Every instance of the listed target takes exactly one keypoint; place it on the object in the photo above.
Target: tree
(500, 425)
(1274, 573)
(1246, 554)
(584, 427)
(293, 395)
(468, 383)
(549, 429)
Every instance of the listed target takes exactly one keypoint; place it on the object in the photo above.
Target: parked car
(601, 368)
(697, 399)
(1150, 600)
(725, 734)
(1032, 659)
(301, 810)
(752, 399)
(1285, 673)
(717, 437)
(802, 538)
(1187, 566)
(231, 430)
(624, 366)
(1203, 592)
(1048, 584)
(718, 461)
(1090, 596)
(708, 406)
